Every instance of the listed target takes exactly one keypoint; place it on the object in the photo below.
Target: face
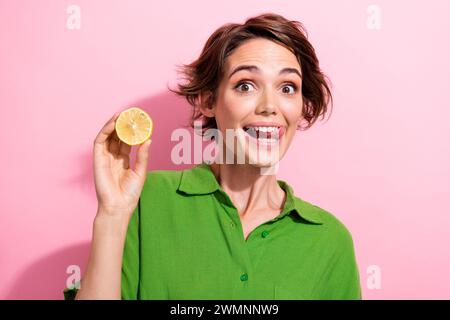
(259, 97)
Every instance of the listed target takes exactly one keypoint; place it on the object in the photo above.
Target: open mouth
(265, 134)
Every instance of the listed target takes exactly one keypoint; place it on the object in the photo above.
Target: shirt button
(244, 277)
(232, 224)
(265, 233)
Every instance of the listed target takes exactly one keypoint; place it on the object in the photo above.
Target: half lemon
(134, 126)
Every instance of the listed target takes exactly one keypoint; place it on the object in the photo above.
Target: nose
(267, 103)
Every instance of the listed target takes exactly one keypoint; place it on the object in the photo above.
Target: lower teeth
(266, 140)
(260, 138)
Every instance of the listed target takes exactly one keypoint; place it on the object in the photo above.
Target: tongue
(262, 134)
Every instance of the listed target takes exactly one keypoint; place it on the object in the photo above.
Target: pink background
(380, 164)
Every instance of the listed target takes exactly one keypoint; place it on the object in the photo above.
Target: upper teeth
(264, 129)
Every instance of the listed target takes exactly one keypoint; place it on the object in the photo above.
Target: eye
(244, 86)
(293, 86)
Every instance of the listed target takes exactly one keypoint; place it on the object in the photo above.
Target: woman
(224, 230)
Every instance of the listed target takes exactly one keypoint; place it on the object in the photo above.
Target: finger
(124, 149)
(125, 160)
(114, 143)
(107, 129)
(142, 158)
(123, 156)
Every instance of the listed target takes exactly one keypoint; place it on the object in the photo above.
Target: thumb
(142, 158)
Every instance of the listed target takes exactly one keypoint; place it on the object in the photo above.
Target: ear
(299, 121)
(205, 104)
(300, 118)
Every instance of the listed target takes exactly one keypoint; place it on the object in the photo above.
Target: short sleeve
(343, 281)
(131, 259)
(71, 292)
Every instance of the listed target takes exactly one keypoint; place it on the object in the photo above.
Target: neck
(248, 189)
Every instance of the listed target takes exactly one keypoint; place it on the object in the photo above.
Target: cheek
(293, 113)
(232, 110)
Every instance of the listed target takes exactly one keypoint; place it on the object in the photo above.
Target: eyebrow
(253, 68)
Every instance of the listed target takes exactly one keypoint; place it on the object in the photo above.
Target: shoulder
(171, 177)
(161, 181)
(332, 228)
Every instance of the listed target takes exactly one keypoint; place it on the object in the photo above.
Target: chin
(268, 167)
(264, 161)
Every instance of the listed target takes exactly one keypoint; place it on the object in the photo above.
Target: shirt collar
(200, 180)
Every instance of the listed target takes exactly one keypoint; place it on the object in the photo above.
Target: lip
(263, 124)
(258, 142)
(281, 128)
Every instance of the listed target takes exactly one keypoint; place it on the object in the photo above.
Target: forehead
(264, 53)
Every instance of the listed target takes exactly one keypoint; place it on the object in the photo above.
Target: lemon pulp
(134, 126)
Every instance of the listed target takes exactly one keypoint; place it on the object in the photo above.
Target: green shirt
(185, 241)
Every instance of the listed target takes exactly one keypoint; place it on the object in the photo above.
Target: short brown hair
(205, 73)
